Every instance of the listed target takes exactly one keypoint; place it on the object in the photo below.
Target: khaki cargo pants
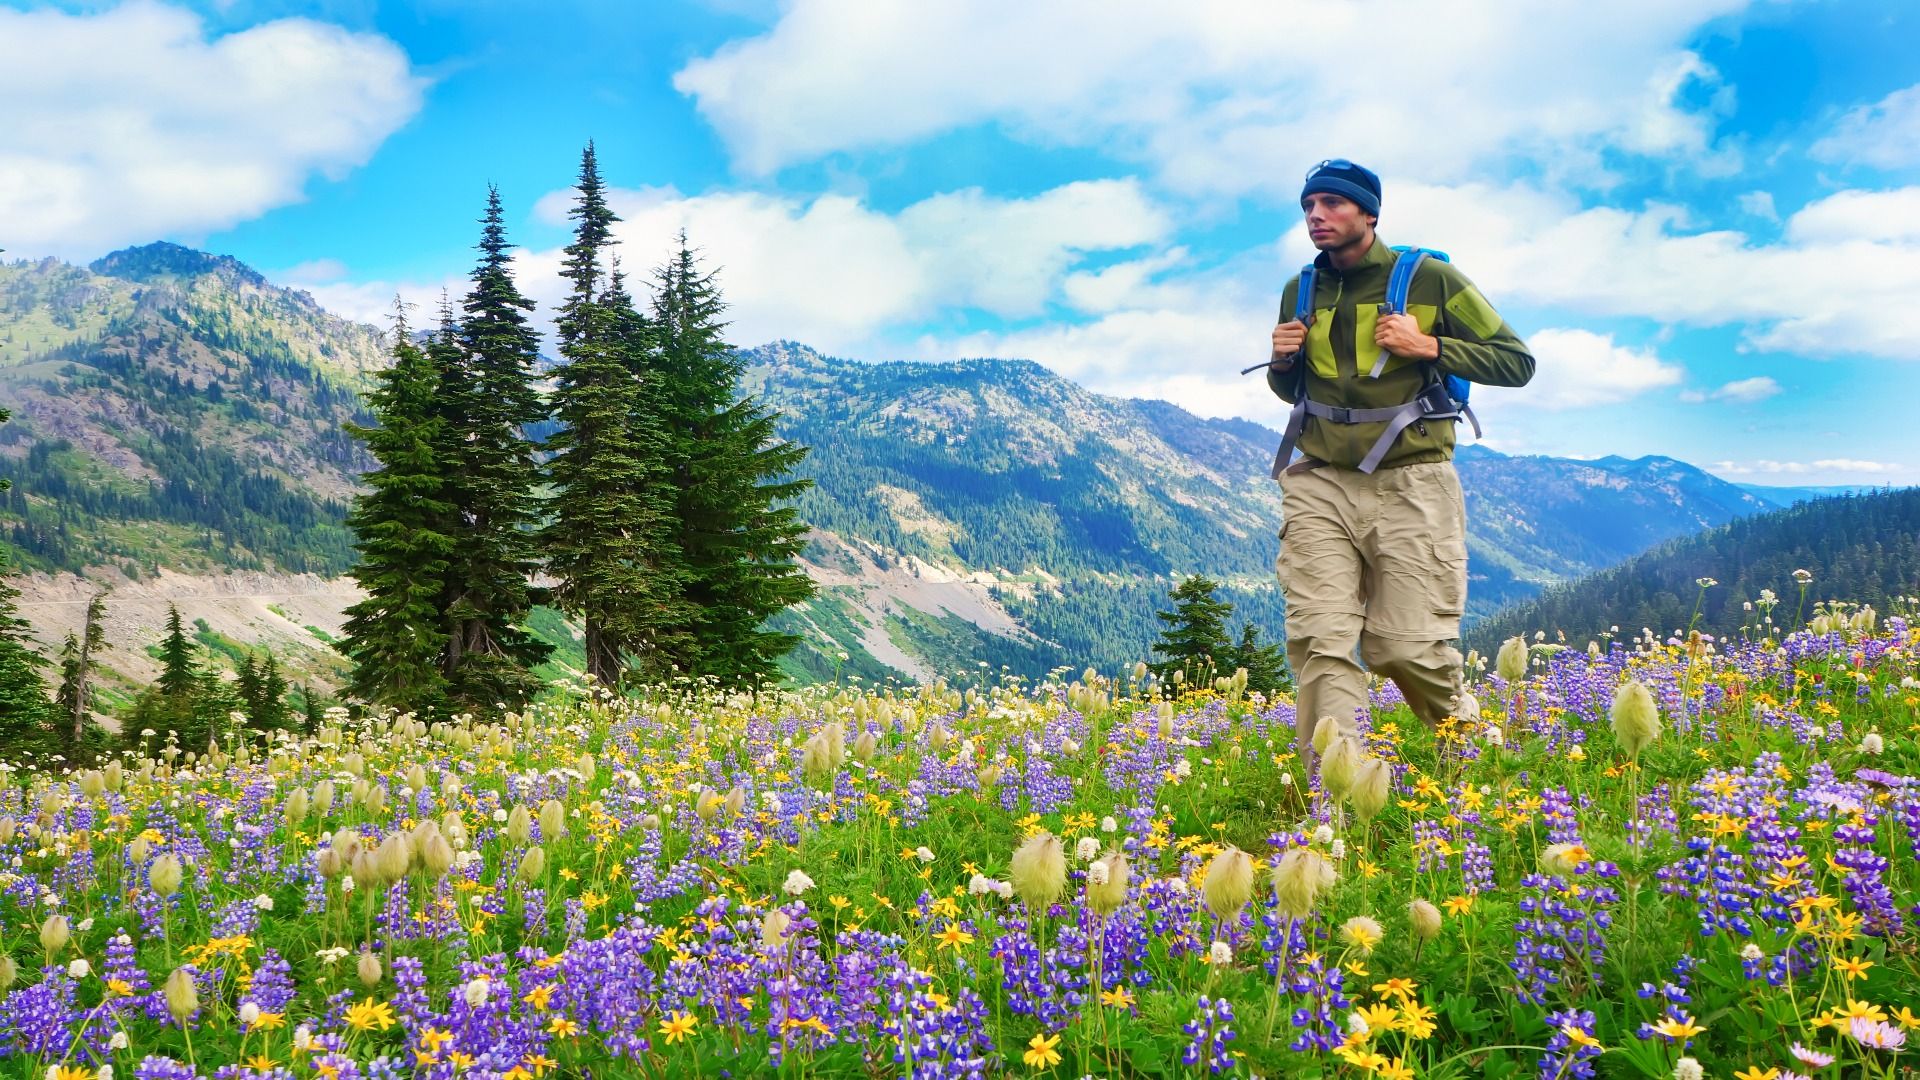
(1378, 564)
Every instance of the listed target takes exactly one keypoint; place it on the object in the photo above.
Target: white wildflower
(1087, 848)
(476, 991)
(797, 883)
(1220, 954)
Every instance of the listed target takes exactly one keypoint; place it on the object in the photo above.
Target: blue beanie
(1347, 180)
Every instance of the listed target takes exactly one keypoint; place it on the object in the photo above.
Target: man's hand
(1401, 336)
(1288, 338)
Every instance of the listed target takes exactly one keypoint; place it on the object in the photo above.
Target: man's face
(1334, 222)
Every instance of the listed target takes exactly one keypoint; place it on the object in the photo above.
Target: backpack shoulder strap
(1399, 284)
(1303, 296)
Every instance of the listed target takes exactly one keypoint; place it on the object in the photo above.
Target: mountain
(1865, 548)
(176, 412)
(172, 408)
(1073, 509)
(1789, 496)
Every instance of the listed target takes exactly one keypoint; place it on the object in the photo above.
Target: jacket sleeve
(1286, 384)
(1475, 342)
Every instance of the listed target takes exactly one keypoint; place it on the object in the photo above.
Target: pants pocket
(1449, 579)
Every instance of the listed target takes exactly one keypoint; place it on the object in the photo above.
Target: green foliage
(396, 635)
(26, 714)
(1194, 639)
(488, 398)
(1864, 546)
(738, 534)
(609, 538)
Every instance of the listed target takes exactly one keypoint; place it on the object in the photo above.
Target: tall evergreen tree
(1266, 664)
(178, 673)
(25, 712)
(396, 636)
(609, 518)
(738, 533)
(1195, 638)
(490, 653)
(76, 667)
(270, 711)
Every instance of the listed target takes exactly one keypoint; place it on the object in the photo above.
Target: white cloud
(1884, 135)
(1758, 204)
(836, 273)
(132, 123)
(1579, 368)
(1224, 95)
(1802, 468)
(1742, 391)
(1841, 281)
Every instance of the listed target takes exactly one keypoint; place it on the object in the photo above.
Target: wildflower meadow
(1658, 856)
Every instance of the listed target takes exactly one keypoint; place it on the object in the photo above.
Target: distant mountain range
(1862, 548)
(174, 410)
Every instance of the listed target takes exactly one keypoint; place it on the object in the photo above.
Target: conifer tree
(490, 653)
(1195, 638)
(1266, 664)
(312, 714)
(738, 533)
(178, 674)
(396, 635)
(270, 711)
(25, 711)
(609, 519)
(76, 666)
(247, 686)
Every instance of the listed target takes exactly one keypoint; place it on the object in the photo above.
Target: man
(1375, 558)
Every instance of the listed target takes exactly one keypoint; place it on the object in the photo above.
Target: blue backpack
(1443, 399)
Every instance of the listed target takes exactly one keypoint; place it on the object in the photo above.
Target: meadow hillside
(1680, 859)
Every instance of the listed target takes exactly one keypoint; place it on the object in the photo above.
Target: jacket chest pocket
(1367, 317)
(1320, 356)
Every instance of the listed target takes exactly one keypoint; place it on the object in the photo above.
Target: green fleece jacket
(1475, 343)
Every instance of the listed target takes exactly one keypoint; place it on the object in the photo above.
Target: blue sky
(1703, 214)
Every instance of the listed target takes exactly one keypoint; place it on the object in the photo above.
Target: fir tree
(312, 713)
(269, 713)
(490, 653)
(247, 686)
(738, 533)
(76, 666)
(1195, 638)
(609, 519)
(25, 711)
(1266, 664)
(396, 636)
(178, 674)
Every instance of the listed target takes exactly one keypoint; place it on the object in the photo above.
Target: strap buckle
(1339, 415)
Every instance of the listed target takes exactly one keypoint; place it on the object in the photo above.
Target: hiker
(1373, 548)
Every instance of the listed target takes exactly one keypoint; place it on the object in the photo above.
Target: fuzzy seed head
(54, 933)
(1325, 731)
(533, 864)
(519, 825)
(368, 968)
(1229, 882)
(1039, 870)
(1300, 879)
(1511, 663)
(183, 998)
(1636, 718)
(1339, 766)
(553, 820)
(773, 930)
(1424, 918)
(1372, 785)
(164, 875)
(1108, 890)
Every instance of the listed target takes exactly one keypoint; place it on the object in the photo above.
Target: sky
(1702, 215)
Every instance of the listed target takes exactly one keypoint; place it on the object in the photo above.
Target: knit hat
(1341, 177)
